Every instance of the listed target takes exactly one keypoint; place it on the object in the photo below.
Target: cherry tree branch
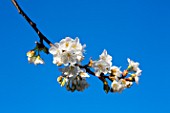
(33, 25)
(87, 67)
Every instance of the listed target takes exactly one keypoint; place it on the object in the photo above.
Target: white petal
(137, 79)
(128, 59)
(83, 74)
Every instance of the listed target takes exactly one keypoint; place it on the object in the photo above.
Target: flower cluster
(67, 51)
(73, 77)
(34, 54)
(33, 58)
(69, 54)
(134, 68)
(103, 66)
(120, 82)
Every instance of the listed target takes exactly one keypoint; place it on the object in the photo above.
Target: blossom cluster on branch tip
(119, 79)
(69, 53)
(102, 65)
(33, 58)
(34, 54)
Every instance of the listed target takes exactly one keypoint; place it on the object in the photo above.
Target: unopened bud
(30, 53)
(59, 79)
(125, 72)
(90, 63)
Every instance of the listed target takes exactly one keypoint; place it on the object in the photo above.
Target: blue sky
(136, 29)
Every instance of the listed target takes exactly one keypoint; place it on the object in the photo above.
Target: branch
(33, 25)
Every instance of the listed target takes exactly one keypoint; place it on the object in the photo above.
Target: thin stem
(33, 25)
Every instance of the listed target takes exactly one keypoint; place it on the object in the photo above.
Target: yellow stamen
(67, 44)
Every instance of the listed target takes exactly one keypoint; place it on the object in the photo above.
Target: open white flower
(77, 46)
(116, 71)
(136, 75)
(56, 52)
(57, 60)
(128, 84)
(68, 51)
(38, 60)
(132, 65)
(125, 84)
(101, 66)
(66, 43)
(55, 49)
(104, 56)
(31, 59)
(138, 72)
(68, 57)
(84, 75)
(70, 71)
(116, 86)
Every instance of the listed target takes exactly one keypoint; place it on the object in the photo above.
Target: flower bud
(30, 53)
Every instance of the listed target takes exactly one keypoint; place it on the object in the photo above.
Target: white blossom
(84, 75)
(128, 84)
(74, 78)
(101, 66)
(76, 45)
(38, 60)
(136, 75)
(55, 49)
(133, 65)
(67, 51)
(116, 86)
(68, 57)
(31, 59)
(66, 43)
(116, 71)
(125, 84)
(57, 60)
(105, 57)
(70, 71)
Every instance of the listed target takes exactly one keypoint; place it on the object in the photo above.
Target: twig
(33, 25)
